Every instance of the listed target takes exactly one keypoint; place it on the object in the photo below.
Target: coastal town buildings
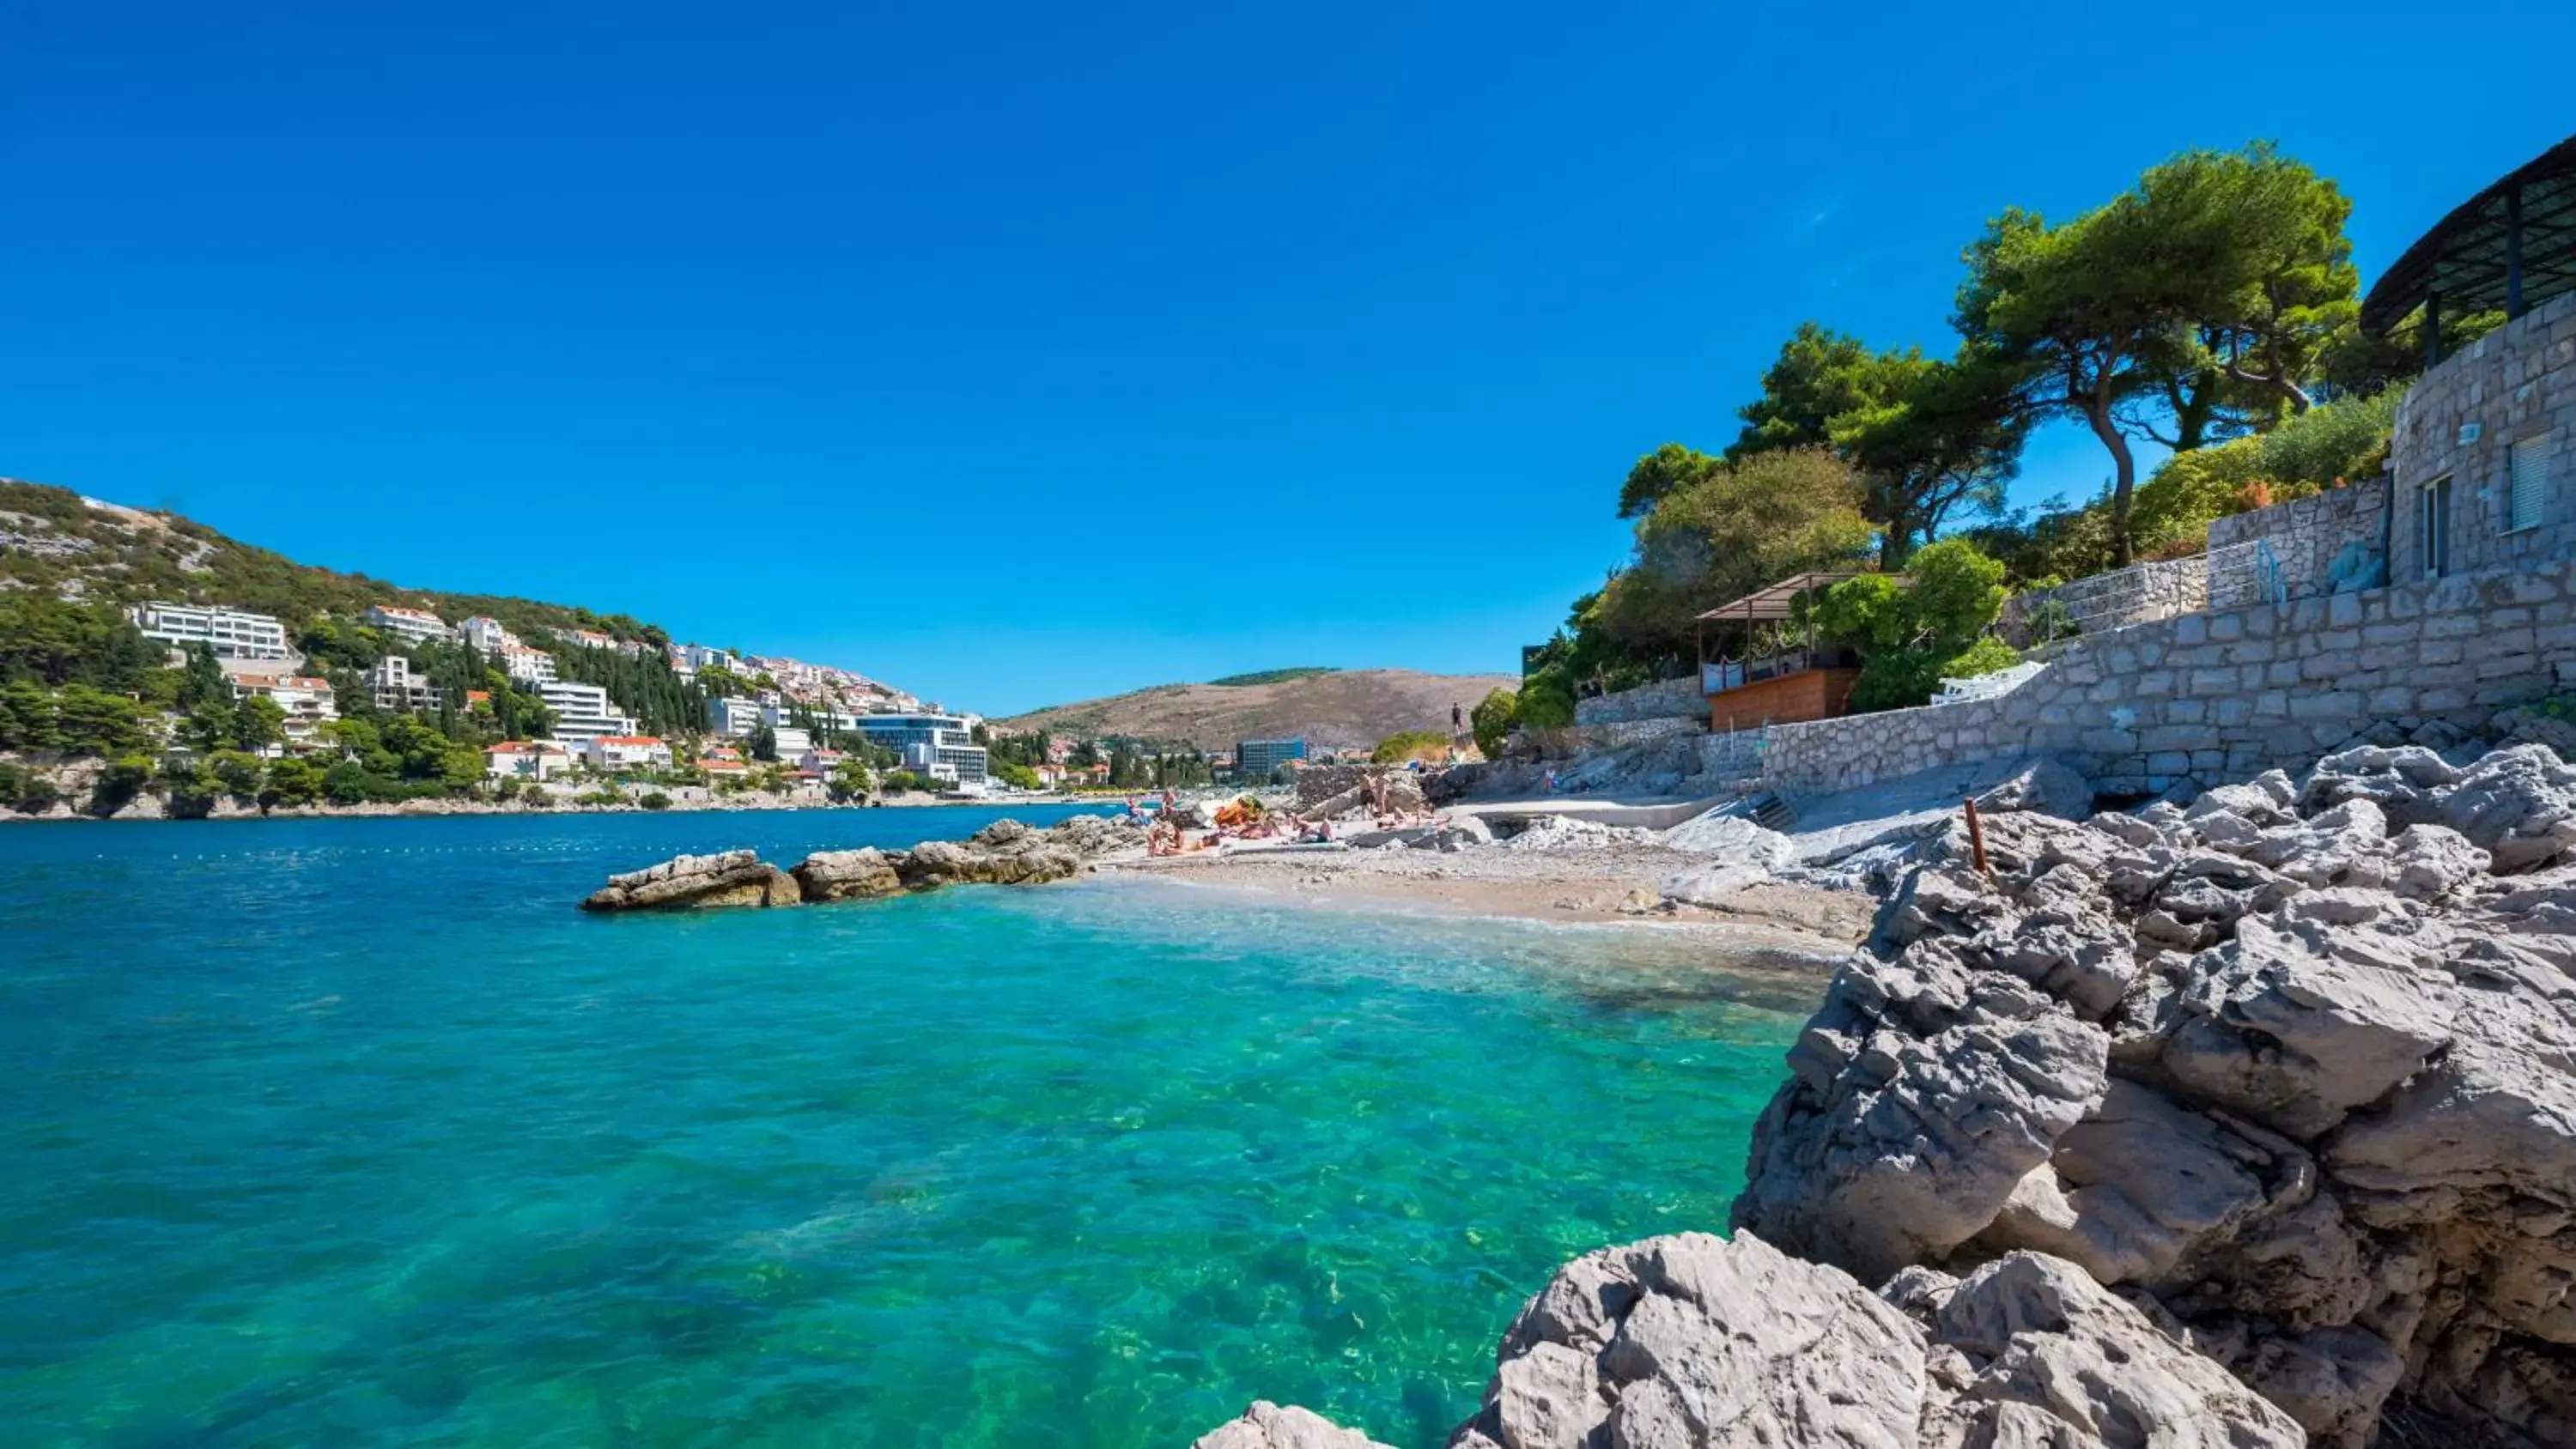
(395, 687)
(526, 760)
(525, 665)
(940, 746)
(609, 754)
(309, 702)
(688, 659)
(733, 718)
(231, 633)
(486, 634)
(1259, 759)
(412, 626)
(583, 711)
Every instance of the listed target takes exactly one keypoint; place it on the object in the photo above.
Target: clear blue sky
(997, 349)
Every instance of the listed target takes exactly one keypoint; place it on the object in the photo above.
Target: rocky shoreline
(1005, 852)
(2246, 1122)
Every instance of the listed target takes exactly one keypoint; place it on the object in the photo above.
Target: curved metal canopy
(2505, 249)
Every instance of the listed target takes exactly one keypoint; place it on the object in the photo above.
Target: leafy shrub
(38, 795)
(655, 800)
(1405, 745)
(1492, 720)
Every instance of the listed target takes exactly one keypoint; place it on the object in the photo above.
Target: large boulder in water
(1695, 1340)
(847, 875)
(1267, 1426)
(689, 882)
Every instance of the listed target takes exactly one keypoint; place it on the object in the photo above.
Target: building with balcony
(525, 665)
(231, 633)
(733, 719)
(395, 687)
(610, 754)
(412, 626)
(487, 634)
(2485, 445)
(308, 702)
(1758, 666)
(526, 760)
(940, 745)
(582, 711)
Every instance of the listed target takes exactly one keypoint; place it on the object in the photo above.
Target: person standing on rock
(1457, 720)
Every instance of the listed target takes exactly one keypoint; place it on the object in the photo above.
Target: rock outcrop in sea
(1005, 852)
(2246, 1122)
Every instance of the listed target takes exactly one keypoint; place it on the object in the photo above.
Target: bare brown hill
(1331, 710)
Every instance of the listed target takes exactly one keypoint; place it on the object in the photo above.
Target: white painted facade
(232, 633)
(582, 711)
(412, 626)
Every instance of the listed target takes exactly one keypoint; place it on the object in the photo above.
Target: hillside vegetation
(1329, 709)
(55, 541)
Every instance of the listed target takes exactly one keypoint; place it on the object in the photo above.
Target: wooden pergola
(1773, 604)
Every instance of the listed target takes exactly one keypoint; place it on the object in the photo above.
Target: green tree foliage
(75, 720)
(239, 772)
(2200, 303)
(1491, 721)
(120, 782)
(258, 722)
(1017, 775)
(851, 780)
(1913, 637)
(764, 743)
(2326, 446)
(1405, 745)
(1273, 676)
(654, 800)
(2257, 242)
(660, 700)
(1664, 471)
(1736, 529)
(46, 640)
(291, 782)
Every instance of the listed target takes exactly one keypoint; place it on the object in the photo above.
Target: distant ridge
(1330, 709)
(1273, 676)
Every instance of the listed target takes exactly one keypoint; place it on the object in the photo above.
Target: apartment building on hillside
(231, 633)
(308, 702)
(412, 626)
(395, 687)
(583, 711)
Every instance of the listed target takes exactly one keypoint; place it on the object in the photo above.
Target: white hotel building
(412, 626)
(309, 702)
(582, 711)
(230, 632)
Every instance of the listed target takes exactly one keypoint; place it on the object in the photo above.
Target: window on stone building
(2435, 530)
(2529, 484)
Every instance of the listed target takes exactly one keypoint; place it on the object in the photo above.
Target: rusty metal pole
(1976, 837)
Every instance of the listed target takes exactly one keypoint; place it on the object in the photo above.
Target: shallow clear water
(355, 1132)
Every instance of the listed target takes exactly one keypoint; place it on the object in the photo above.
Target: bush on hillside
(1405, 745)
(1492, 720)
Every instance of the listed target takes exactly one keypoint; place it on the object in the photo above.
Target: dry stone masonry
(2307, 535)
(2209, 698)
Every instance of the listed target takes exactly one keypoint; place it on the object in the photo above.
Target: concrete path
(1646, 812)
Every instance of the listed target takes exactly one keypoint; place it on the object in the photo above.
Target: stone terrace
(2220, 697)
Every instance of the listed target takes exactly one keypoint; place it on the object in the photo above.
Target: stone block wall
(1670, 699)
(2096, 603)
(2306, 534)
(2516, 382)
(2225, 696)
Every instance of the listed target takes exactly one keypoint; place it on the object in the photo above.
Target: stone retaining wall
(2216, 697)
(2461, 420)
(1670, 699)
(2102, 602)
(2306, 535)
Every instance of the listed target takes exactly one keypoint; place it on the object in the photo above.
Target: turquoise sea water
(355, 1132)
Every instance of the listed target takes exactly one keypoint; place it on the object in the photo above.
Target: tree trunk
(2124, 474)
